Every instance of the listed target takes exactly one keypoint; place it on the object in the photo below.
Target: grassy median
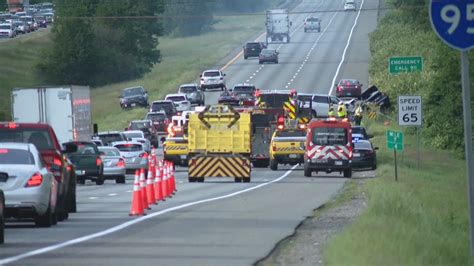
(183, 60)
(420, 220)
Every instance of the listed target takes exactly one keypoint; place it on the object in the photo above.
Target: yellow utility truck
(288, 143)
(219, 143)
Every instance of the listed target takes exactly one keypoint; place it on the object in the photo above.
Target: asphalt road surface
(218, 222)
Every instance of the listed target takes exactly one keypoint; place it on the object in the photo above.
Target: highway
(218, 222)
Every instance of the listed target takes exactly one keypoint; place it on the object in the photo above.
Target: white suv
(180, 100)
(7, 30)
(320, 103)
(350, 5)
(211, 79)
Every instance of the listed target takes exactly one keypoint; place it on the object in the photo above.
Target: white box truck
(278, 25)
(66, 108)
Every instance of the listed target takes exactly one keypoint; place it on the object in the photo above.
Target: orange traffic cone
(143, 189)
(150, 193)
(170, 179)
(164, 183)
(158, 178)
(137, 207)
(173, 180)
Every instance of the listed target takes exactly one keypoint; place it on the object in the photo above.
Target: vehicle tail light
(274, 148)
(35, 180)
(98, 161)
(143, 155)
(12, 125)
(121, 163)
(339, 88)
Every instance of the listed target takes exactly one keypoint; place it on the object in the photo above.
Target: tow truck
(328, 147)
(219, 141)
(288, 143)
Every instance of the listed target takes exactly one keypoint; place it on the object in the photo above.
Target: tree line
(96, 42)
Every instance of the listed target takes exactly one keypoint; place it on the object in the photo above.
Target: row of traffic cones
(158, 185)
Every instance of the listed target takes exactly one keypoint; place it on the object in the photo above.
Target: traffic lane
(246, 70)
(98, 211)
(320, 66)
(293, 55)
(233, 231)
(356, 64)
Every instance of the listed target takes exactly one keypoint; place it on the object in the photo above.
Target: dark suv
(253, 49)
(132, 97)
(108, 138)
(159, 120)
(45, 140)
(167, 106)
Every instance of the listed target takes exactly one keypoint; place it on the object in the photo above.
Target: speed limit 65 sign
(409, 111)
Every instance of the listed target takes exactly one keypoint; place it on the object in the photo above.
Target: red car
(45, 140)
(348, 88)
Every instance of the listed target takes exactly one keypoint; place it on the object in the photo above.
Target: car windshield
(39, 137)
(4, 27)
(16, 156)
(187, 89)
(358, 130)
(253, 45)
(362, 145)
(349, 82)
(155, 117)
(109, 138)
(129, 147)
(138, 125)
(244, 89)
(110, 152)
(268, 51)
(133, 134)
(167, 107)
(329, 136)
(176, 98)
(132, 92)
(211, 74)
(86, 149)
(290, 133)
(312, 20)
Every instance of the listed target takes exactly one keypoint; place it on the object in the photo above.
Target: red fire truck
(328, 147)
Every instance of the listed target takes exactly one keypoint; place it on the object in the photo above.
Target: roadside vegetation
(420, 220)
(423, 218)
(406, 31)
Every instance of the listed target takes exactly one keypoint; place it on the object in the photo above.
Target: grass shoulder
(421, 219)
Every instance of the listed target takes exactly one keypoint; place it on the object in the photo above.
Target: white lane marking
(112, 194)
(93, 197)
(136, 221)
(129, 191)
(345, 49)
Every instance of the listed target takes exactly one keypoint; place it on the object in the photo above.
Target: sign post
(405, 64)
(395, 142)
(410, 113)
(452, 21)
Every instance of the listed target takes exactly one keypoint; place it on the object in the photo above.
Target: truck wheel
(191, 179)
(288, 38)
(313, 114)
(200, 179)
(273, 164)
(100, 180)
(348, 173)
(307, 172)
(81, 180)
(246, 179)
(45, 220)
(72, 204)
(237, 179)
(120, 180)
(245, 57)
(2, 221)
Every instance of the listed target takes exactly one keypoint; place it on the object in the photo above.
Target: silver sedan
(134, 154)
(30, 188)
(114, 164)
